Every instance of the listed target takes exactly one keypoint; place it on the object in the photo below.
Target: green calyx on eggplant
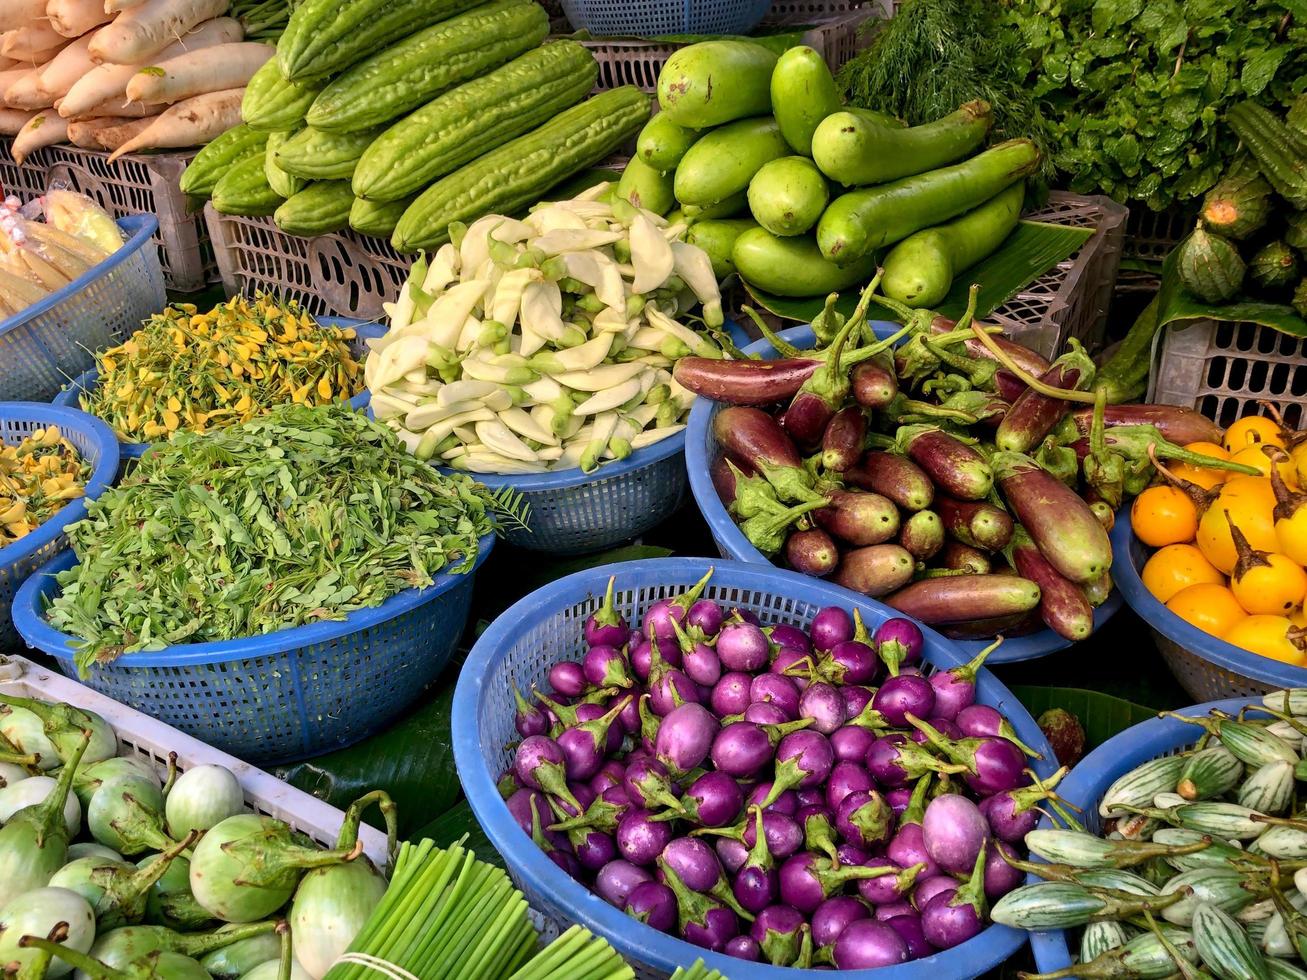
(158, 965)
(34, 843)
(247, 866)
(64, 724)
(120, 947)
(170, 902)
(333, 903)
(57, 914)
(126, 813)
(89, 777)
(118, 891)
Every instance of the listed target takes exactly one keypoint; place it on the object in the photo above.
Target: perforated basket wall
(1149, 237)
(545, 627)
(52, 341)
(345, 273)
(286, 695)
(1223, 369)
(96, 444)
(144, 184)
(152, 742)
(833, 32)
(1206, 666)
(653, 17)
(27, 181)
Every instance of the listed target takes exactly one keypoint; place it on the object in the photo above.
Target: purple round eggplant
(660, 616)
(890, 888)
(954, 830)
(852, 662)
(583, 795)
(521, 804)
(778, 931)
(818, 830)
(640, 839)
(946, 925)
(705, 616)
(811, 796)
(832, 916)
(898, 799)
(617, 879)
(787, 802)
(851, 743)
(695, 863)
(928, 888)
(908, 847)
(702, 665)
(942, 725)
(653, 904)
(856, 698)
(999, 766)
(669, 689)
(605, 626)
(713, 800)
(765, 712)
(852, 854)
(1000, 877)
(594, 850)
(900, 643)
(743, 647)
(743, 948)
(822, 703)
(891, 910)
(865, 819)
(904, 695)
(628, 719)
(755, 888)
(742, 750)
(807, 880)
(650, 786)
(785, 635)
(609, 774)
(867, 944)
(541, 764)
(529, 719)
(1014, 813)
(566, 862)
(952, 694)
(908, 926)
(730, 695)
(567, 677)
(797, 665)
(803, 758)
(783, 834)
(831, 626)
(778, 690)
(685, 737)
(606, 666)
(732, 853)
(845, 778)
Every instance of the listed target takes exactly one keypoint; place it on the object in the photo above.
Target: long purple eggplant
(1177, 424)
(1062, 604)
(1057, 519)
(958, 557)
(812, 552)
(874, 382)
(922, 535)
(975, 522)
(754, 441)
(842, 442)
(963, 598)
(876, 570)
(744, 382)
(858, 517)
(1034, 415)
(895, 477)
(1024, 357)
(955, 467)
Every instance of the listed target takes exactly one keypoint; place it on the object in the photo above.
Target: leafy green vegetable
(298, 516)
(1134, 90)
(933, 56)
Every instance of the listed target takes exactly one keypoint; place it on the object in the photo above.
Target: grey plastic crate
(342, 274)
(27, 181)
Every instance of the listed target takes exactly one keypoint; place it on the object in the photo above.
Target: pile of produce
(747, 788)
(404, 118)
(178, 876)
(1198, 870)
(1231, 548)
(38, 476)
(929, 472)
(1251, 237)
(127, 75)
(297, 516)
(37, 258)
(186, 371)
(545, 343)
(755, 149)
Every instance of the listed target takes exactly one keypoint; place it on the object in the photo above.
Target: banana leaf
(456, 823)
(1102, 715)
(1029, 252)
(1175, 305)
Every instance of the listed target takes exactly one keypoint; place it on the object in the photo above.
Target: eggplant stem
(1029, 380)
(783, 347)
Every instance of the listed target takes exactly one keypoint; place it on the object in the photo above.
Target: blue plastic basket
(545, 627)
(1206, 666)
(87, 380)
(95, 442)
(701, 450)
(652, 18)
(286, 695)
(1088, 781)
(55, 339)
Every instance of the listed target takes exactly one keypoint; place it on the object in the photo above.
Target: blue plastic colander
(87, 380)
(286, 695)
(1205, 665)
(1091, 777)
(653, 18)
(701, 450)
(96, 443)
(545, 627)
(56, 339)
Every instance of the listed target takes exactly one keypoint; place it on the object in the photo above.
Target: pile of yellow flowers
(37, 477)
(185, 370)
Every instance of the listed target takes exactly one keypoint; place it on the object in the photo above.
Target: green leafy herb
(297, 516)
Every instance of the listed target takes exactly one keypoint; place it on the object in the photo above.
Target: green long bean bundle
(445, 916)
(294, 517)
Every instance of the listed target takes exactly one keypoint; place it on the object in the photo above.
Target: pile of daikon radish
(121, 75)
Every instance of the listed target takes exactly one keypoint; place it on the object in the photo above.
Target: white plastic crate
(151, 740)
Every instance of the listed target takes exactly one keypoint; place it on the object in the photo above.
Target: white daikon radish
(112, 137)
(24, 92)
(117, 107)
(197, 72)
(82, 133)
(142, 32)
(115, 6)
(19, 13)
(69, 65)
(44, 129)
(13, 120)
(73, 18)
(7, 63)
(105, 83)
(191, 122)
(8, 77)
(31, 40)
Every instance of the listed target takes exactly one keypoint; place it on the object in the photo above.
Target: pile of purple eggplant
(957, 474)
(791, 796)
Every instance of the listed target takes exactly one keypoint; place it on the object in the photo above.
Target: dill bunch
(933, 56)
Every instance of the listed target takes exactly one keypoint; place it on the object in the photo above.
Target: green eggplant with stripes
(1224, 946)
(1209, 773)
(1225, 888)
(1141, 784)
(1268, 789)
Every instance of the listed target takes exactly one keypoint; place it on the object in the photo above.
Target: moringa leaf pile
(300, 515)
